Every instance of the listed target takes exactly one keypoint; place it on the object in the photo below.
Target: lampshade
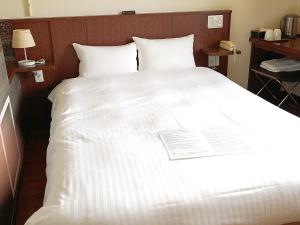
(22, 38)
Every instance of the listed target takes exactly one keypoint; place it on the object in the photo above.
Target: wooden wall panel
(10, 142)
(35, 94)
(42, 37)
(43, 49)
(118, 30)
(204, 37)
(54, 38)
(6, 198)
(5, 188)
(10, 161)
(4, 83)
(64, 33)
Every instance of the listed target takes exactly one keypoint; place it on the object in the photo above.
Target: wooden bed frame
(54, 38)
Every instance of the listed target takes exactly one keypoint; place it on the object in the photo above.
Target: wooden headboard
(54, 38)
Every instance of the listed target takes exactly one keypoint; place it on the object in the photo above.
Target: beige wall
(247, 14)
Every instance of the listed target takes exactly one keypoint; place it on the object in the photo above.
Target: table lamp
(22, 38)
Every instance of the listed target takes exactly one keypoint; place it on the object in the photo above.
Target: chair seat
(282, 76)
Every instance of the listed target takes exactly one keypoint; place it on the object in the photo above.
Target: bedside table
(13, 68)
(217, 51)
(214, 55)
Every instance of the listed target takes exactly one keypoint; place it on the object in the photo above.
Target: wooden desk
(262, 50)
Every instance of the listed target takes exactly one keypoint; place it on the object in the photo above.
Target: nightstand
(13, 68)
(214, 55)
(217, 51)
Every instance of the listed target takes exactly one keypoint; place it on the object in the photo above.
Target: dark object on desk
(289, 25)
(258, 34)
(128, 12)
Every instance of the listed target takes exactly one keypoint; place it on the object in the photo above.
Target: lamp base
(26, 63)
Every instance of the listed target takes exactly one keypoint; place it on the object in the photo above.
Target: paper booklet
(188, 144)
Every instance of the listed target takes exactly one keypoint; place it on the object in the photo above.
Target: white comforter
(106, 164)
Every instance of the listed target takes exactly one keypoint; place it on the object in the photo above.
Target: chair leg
(265, 86)
(289, 93)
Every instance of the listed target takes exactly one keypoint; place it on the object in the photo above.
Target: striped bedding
(106, 164)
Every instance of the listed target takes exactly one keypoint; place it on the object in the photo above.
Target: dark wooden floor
(292, 110)
(289, 105)
(33, 177)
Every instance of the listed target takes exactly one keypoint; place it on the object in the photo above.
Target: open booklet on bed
(214, 141)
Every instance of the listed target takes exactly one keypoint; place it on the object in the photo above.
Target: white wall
(247, 15)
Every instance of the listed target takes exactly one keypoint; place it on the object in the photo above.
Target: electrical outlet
(213, 61)
(215, 21)
(38, 76)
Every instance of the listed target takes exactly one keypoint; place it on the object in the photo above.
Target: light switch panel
(215, 21)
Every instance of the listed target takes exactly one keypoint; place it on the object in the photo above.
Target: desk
(262, 50)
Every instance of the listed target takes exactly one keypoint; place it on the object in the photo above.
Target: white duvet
(106, 164)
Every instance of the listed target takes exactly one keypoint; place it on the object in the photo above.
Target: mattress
(107, 165)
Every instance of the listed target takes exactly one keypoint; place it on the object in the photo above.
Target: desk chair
(280, 78)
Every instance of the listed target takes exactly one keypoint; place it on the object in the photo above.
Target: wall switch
(38, 76)
(215, 21)
(213, 61)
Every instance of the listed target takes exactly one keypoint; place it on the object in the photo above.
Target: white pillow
(170, 53)
(106, 60)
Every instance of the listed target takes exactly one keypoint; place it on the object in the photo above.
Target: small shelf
(13, 68)
(217, 51)
(22, 69)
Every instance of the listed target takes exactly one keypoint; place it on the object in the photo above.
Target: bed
(106, 163)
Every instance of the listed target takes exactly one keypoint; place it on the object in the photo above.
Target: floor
(292, 110)
(289, 105)
(33, 181)
(33, 177)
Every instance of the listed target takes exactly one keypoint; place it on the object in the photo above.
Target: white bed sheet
(106, 164)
